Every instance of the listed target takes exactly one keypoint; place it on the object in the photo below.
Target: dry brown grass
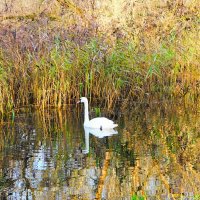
(67, 48)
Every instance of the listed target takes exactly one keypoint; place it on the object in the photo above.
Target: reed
(141, 55)
(67, 71)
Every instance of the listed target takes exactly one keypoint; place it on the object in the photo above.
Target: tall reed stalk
(59, 74)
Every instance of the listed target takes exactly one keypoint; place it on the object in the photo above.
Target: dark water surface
(155, 155)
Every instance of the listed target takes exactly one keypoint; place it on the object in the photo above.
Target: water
(154, 155)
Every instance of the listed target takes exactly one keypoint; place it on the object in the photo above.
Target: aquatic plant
(138, 56)
(57, 76)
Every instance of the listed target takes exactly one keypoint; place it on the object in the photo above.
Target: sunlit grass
(135, 51)
(65, 72)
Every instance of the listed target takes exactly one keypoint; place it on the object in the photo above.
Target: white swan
(97, 123)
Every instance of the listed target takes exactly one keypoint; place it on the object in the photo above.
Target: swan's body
(101, 123)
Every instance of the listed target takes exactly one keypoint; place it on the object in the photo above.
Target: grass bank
(65, 72)
(156, 56)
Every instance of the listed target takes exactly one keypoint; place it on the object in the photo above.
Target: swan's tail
(115, 125)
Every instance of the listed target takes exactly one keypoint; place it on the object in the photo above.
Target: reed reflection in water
(155, 155)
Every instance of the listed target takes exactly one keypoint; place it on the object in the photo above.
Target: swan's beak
(78, 102)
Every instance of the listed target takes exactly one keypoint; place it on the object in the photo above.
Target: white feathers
(100, 123)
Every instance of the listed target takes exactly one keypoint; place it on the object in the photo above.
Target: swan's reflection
(97, 133)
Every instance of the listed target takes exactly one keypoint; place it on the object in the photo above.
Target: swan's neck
(86, 114)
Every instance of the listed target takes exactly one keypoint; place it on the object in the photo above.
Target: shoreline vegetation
(126, 51)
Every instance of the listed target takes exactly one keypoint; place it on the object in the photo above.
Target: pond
(153, 154)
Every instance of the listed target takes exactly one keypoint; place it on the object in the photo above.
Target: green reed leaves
(58, 75)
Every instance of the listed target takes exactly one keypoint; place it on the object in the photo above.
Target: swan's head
(83, 100)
